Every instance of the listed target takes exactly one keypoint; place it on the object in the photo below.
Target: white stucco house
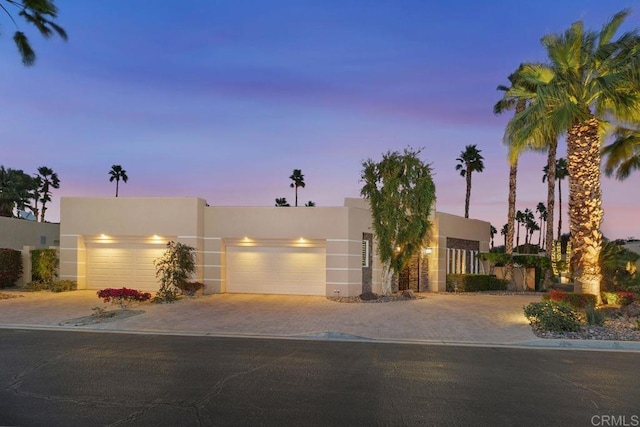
(330, 251)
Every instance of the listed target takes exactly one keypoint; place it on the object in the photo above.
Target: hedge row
(475, 283)
(10, 267)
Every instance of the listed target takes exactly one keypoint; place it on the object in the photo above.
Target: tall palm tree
(528, 220)
(519, 217)
(116, 174)
(492, 231)
(38, 13)
(298, 181)
(505, 232)
(590, 78)
(470, 161)
(542, 211)
(47, 179)
(561, 172)
(623, 154)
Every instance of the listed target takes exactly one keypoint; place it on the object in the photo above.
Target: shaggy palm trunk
(551, 194)
(585, 204)
(511, 214)
(44, 209)
(387, 278)
(468, 197)
(559, 210)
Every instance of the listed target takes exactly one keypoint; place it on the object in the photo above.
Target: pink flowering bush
(123, 296)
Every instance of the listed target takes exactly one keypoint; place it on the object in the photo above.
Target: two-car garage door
(123, 265)
(276, 270)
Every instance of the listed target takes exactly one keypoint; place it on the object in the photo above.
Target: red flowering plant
(123, 296)
(574, 299)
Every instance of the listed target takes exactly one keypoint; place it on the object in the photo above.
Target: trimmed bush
(552, 316)
(619, 298)
(10, 267)
(63, 286)
(123, 296)
(475, 283)
(190, 288)
(574, 299)
(44, 265)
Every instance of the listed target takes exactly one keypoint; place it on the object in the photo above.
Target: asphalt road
(52, 378)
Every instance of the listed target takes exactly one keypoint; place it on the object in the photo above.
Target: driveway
(446, 318)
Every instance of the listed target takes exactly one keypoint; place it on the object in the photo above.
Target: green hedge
(475, 283)
(44, 265)
(10, 267)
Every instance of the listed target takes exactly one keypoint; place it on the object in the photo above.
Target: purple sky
(222, 100)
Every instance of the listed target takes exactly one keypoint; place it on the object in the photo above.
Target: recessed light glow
(104, 236)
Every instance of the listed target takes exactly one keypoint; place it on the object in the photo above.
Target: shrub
(190, 288)
(63, 286)
(475, 283)
(574, 299)
(173, 268)
(594, 316)
(552, 316)
(10, 267)
(620, 298)
(44, 265)
(57, 286)
(123, 296)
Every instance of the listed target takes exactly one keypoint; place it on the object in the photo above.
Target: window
(461, 261)
(365, 253)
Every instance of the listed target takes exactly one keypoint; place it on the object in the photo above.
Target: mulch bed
(9, 296)
(371, 297)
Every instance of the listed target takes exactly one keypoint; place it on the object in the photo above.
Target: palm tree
(38, 13)
(117, 173)
(492, 231)
(561, 173)
(623, 154)
(527, 220)
(282, 202)
(47, 179)
(519, 217)
(507, 103)
(505, 232)
(590, 78)
(470, 161)
(542, 211)
(298, 181)
(310, 204)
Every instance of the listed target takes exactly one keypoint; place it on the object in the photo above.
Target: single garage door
(118, 266)
(276, 270)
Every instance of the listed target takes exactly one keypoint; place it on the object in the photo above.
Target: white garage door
(276, 270)
(118, 266)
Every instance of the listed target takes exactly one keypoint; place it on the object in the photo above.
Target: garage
(261, 269)
(112, 265)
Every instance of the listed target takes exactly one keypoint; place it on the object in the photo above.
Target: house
(112, 242)
(16, 233)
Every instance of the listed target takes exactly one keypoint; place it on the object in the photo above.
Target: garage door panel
(117, 266)
(276, 270)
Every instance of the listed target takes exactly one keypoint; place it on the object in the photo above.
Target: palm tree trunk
(551, 196)
(296, 188)
(468, 197)
(585, 204)
(511, 214)
(117, 182)
(559, 210)
(44, 209)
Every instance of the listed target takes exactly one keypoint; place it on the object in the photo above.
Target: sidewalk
(494, 320)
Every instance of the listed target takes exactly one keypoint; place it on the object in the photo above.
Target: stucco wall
(16, 233)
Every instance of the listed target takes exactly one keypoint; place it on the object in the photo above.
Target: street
(54, 378)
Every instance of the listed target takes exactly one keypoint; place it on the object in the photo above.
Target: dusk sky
(223, 99)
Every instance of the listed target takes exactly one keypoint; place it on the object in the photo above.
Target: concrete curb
(542, 344)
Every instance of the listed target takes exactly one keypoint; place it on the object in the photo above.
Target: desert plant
(10, 267)
(552, 316)
(123, 297)
(621, 298)
(190, 288)
(63, 286)
(593, 316)
(173, 269)
(574, 299)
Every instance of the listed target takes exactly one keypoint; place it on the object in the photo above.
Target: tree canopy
(402, 195)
